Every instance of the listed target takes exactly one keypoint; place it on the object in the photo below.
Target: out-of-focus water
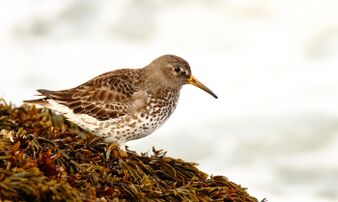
(273, 65)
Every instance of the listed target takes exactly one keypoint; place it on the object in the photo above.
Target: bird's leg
(114, 150)
(123, 151)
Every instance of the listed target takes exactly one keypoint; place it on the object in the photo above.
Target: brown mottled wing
(104, 97)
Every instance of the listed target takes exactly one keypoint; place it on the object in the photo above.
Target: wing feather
(104, 97)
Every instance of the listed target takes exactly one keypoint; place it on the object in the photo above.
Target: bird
(124, 104)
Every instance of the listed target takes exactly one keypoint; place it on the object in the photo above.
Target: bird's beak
(192, 80)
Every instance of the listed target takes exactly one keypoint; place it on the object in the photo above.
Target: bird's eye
(177, 69)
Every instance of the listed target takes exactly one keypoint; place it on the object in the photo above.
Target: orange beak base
(192, 80)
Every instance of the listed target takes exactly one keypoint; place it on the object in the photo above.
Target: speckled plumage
(124, 104)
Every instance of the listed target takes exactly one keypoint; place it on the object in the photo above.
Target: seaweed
(43, 157)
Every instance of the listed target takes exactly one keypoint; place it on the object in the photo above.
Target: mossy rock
(45, 158)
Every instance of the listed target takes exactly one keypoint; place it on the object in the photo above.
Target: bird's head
(175, 71)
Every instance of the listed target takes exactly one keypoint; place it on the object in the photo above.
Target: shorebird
(124, 104)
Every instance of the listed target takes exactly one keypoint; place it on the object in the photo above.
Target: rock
(43, 157)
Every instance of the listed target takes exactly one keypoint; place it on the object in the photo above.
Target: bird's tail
(40, 101)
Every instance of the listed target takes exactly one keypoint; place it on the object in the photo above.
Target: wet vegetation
(43, 157)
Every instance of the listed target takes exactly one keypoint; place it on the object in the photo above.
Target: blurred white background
(273, 64)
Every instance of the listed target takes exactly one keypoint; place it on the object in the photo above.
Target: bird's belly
(142, 123)
(135, 126)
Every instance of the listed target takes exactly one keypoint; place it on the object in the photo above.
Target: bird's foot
(115, 151)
